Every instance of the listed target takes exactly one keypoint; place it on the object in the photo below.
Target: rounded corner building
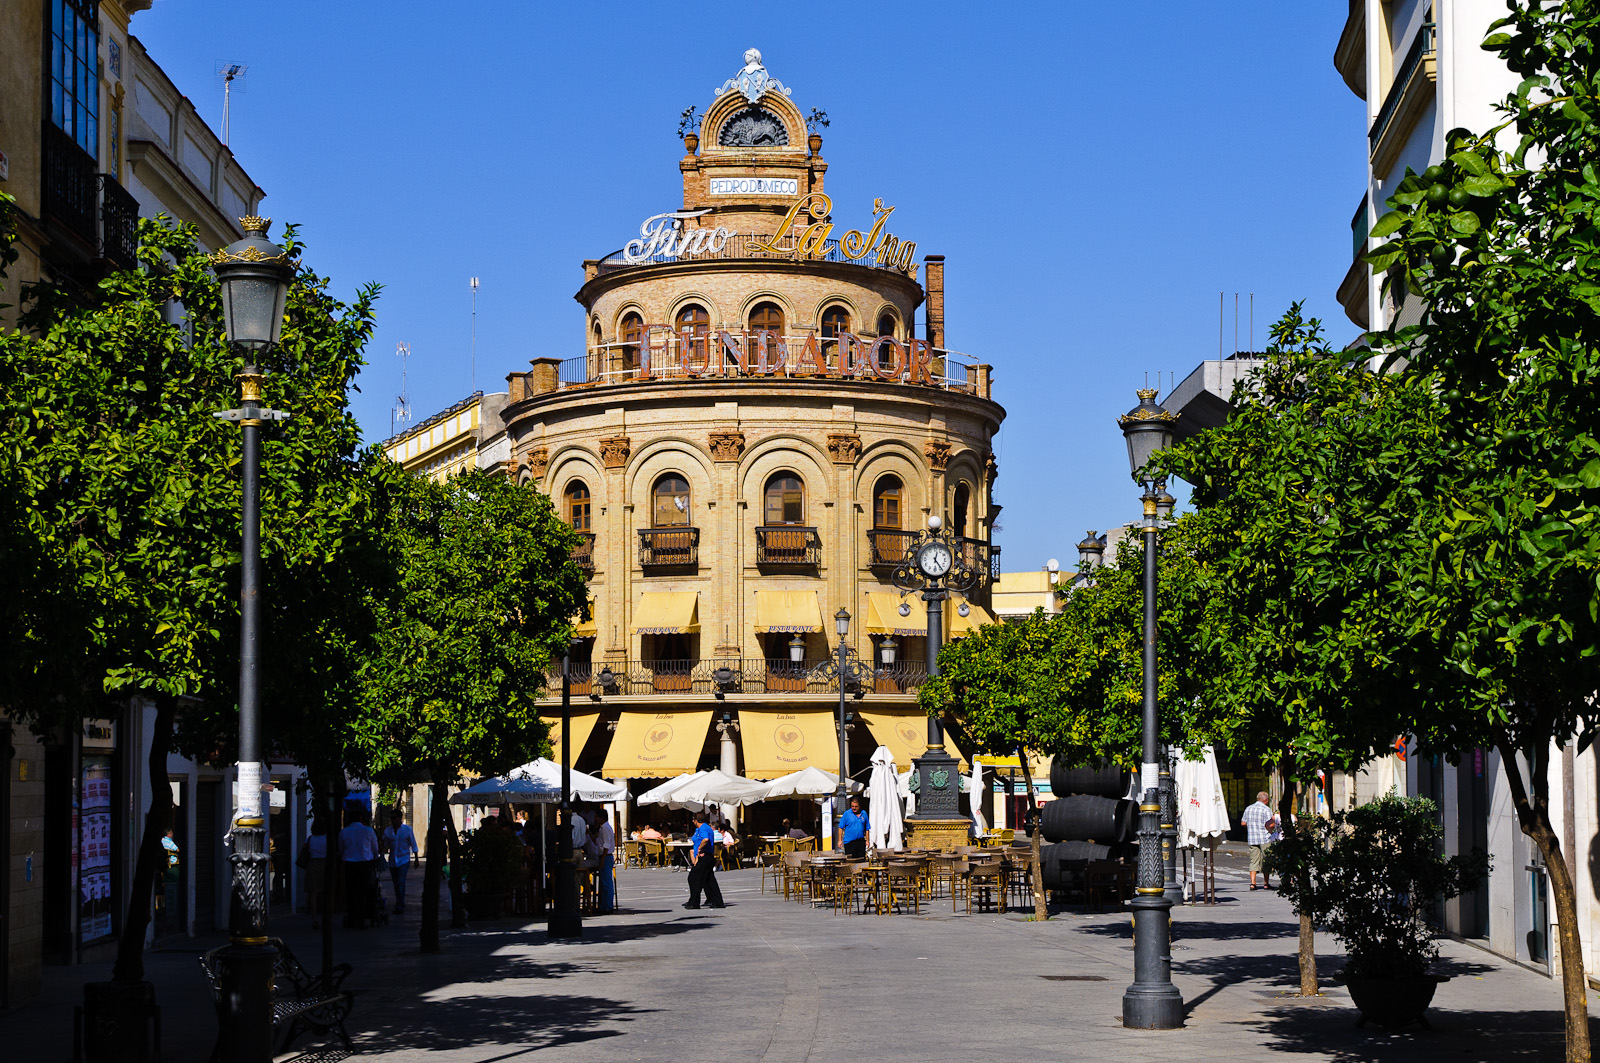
(756, 431)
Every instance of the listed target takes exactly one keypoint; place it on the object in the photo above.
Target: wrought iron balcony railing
(889, 546)
(744, 676)
(1421, 48)
(583, 553)
(119, 223)
(69, 184)
(788, 545)
(669, 547)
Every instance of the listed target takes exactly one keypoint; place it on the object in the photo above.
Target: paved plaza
(770, 980)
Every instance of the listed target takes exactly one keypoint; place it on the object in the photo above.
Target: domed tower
(753, 435)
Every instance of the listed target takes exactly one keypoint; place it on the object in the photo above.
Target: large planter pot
(485, 905)
(1393, 1002)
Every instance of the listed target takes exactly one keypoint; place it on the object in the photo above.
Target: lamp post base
(566, 920)
(1152, 1002)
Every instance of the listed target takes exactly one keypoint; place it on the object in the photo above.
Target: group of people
(364, 855)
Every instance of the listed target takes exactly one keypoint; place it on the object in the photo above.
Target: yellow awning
(667, 613)
(777, 743)
(590, 628)
(787, 612)
(1038, 766)
(582, 727)
(959, 625)
(906, 735)
(883, 614)
(656, 745)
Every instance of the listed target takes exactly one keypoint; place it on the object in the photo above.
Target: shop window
(632, 333)
(75, 72)
(579, 505)
(963, 503)
(886, 499)
(694, 319)
(670, 502)
(785, 500)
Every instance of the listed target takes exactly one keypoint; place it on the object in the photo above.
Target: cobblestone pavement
(770, 980)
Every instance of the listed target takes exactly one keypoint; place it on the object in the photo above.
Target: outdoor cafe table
(680, 853)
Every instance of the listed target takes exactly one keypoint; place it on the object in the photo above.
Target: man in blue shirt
(703, 876)
(853, 828)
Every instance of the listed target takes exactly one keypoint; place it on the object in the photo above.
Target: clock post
(934, 567)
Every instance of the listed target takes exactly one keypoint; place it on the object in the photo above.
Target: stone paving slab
(770, 980)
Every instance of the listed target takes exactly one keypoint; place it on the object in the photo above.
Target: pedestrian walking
(313, 860)
(400, 843)
(605, 841)
(853, 828)
(703, 875)
(358, 849)
(1258, 824)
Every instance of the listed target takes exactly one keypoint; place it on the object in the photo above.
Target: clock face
(934, 560)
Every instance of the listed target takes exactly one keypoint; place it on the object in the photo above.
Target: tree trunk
(1533, 815)
(152, 858)
(333, 800)
(1308, 932)
(458, 910)
(1041, 904)
(431, 873)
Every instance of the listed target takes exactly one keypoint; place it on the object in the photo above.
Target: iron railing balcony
(669, 547)
(583, 553)
(1421, 48)
(889, 545)
(69, 187)
(748, 246)
(119, 223)
(789, 545)
(744, 675)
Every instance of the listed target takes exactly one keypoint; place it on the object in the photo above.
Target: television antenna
(473, 345)
(401, 413)
(229, 73)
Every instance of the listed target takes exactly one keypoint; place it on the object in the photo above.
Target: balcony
(669, 547)
(889, 546)
(69, 192)
(583, 553)
(744, 676)
(1408, 96)
(788, 546)
(119, 223)
(980, 555)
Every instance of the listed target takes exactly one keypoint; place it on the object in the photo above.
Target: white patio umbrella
(883, 792)
(807, 782)
(1202, 810)
(658, 795)
(539, 782)
(715, 787)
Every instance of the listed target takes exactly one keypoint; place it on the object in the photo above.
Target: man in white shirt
(580, 831)
(358, 849)
(400, 842)
(605, 840)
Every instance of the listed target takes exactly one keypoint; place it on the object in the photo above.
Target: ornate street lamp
(852, 674)
(566, 919)
(1152, 1002)
(887, 650)
(253, 275)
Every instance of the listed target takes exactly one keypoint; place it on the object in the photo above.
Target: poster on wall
(94, 850)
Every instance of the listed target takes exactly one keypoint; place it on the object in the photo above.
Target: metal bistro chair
(771, 867)
(905, 883)
(633, 854)
(984, 885)
(960, 878)
(794, 875)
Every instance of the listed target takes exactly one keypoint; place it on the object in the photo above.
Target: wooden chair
(794, 875)
(785, 845)
(984, 884)
(849, 881)
(960, 879)
(905, 883)
(632, 854)
(1019, 882)
(771, 867)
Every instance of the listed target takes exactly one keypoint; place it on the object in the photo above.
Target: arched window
(694, 318)
(886, 503)
(670, 501)
(885, 354)
(887, 326)
(963, 503)
(578, 505)
(767, 317)
(632, 333)
(785, 500)
(835, 321)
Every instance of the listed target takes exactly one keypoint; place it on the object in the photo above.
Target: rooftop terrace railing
(744, 246)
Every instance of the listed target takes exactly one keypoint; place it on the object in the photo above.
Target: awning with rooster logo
(656, 745)
(781, 743)
(906, 735)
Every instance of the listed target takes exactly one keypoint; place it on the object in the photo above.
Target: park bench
(302, 1002)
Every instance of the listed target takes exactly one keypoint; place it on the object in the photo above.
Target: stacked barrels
(1090, 819)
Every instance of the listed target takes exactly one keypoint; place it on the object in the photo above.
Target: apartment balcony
(980, 555)
(583, 553)
(788, 546)
(676, 548)
(1408, 97)
(70, 186)
(119, 223)
(889, 546)
(743, 675)
(1350, 55)
(1352, 292)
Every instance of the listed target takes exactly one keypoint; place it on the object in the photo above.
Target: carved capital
(614, 451)
(538, 461)
(844, 448)
(938, 453)
(726, 446)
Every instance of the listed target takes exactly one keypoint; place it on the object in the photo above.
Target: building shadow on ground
(1191, 928)
(516, 1021)
(1331, 1033)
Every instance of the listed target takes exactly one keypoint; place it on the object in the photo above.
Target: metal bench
(302, 1002)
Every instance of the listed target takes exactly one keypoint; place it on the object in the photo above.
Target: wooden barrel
(1061, 865)
(1109, 781)
(1081, 818)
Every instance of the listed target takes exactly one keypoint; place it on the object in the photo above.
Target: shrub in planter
(1372, 877)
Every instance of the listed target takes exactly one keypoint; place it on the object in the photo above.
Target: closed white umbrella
(883, 792)
(807, 782)
(1202, 810)
(975, 788)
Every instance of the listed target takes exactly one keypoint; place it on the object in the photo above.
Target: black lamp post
(1152, 1002)
(253, 276)
(566, 918)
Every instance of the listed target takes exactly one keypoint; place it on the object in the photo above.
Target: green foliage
(491, 859)
(486, 593)
(1373, 876)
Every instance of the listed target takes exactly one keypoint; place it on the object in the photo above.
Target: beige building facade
(753, 434)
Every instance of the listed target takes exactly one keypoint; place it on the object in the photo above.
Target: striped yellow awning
(667, 613)
(883, 614)
(787, 612)
(656, 745)
(778, 743)
(582, 727)
(959, 625)
(906, 735)
(590, 628)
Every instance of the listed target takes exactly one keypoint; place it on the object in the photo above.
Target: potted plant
(1373, 876)
(492, 860)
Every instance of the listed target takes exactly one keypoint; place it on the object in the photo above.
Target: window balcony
(70, 188)
(788, 546)
(583, 553)
(980, 555)
(119, 223)
(669, 547)
(889, 546)
(1408, 96)
(635, 678)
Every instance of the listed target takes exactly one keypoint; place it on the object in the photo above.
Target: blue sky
(1095, 175)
